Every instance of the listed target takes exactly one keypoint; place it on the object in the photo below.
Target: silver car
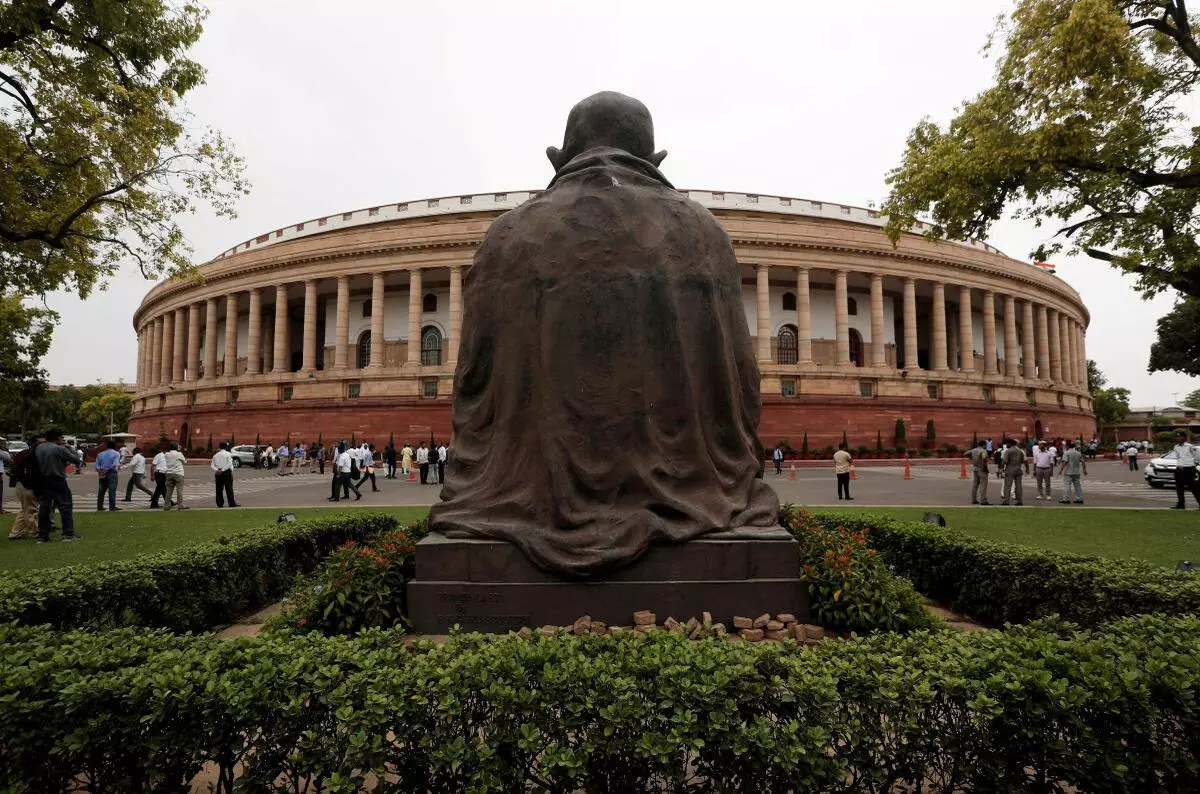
(245, 455)
(1160, 472)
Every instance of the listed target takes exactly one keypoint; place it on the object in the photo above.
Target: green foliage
(353, 440)
(1006, 583)
(1192, 400)
(930, 432)
(392, 439)
(974, 439)
(257, 440)
(849, 586)
(804, 444)
(878, 441)
(844, 442)
(1177, 347)
(209, 446)
(26, 329)
(1095, 377)
(1110, 405)
(189, 588)
(232, 441)
(899, 434)
(110, 408)
(1089, 126)
(360, 585)
(1111, 710)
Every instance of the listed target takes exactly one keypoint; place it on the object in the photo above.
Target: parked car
(246, 455)
(17, 446)
(1160, 472)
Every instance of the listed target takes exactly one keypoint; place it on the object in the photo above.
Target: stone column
(177, 346)
(841, 318)
(953, 346)
(1029, 341)
(455, 312)
(193, 343)
(210, 339)
(309, 358)
(939, 327)
(966, 333)
(341, 340)
(268, 349)
(911, 360)
(254, 334)
(141, 357)
(763, 314)
(280, 359)
(1043, 343)
(1012, 358)
(1055, 346)
(414, 317)
(1068, 349)
(803, 318)
(229, 368)
(990, 365)
(157, 344)
(878, 357)
(378, 348)
(1081, 332)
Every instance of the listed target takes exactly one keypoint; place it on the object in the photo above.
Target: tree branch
(23, 97)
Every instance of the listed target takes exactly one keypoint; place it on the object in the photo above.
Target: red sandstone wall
(823, 420)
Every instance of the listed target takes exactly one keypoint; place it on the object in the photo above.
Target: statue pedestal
(489, 585)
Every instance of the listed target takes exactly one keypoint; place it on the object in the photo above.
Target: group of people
(355, 465)
(1013, 463)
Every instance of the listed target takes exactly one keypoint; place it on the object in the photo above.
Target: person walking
(979, 456)
(137, 475)
(443, 457)
(174, 462)
(299, 458)
(1131, 454)
(52, 460)
(406, 459)
(389, 456)
(222, 466)
(423, 462)
(1012, 459)
(1043, 470)
(842, 465)
(367, 467)
(158, 468)
(342, 466)
(1072, 469)
(25, 480)
(1187, 457)
(434, 461)
(108, 461)
(321, 459)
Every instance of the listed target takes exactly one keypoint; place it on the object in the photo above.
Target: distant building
(1140, 424)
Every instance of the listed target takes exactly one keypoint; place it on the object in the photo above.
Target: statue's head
(607, 119)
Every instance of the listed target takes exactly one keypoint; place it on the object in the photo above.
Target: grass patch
(1161, 537)
(108, 536)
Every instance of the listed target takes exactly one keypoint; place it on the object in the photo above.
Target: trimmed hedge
(190, 588)
(1007, 583)
(1034, 708)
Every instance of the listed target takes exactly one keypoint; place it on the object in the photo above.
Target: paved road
(1108, 484)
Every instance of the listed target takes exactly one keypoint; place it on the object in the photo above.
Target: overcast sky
(338, 106)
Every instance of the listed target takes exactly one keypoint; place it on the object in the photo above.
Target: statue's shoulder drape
(606, 396)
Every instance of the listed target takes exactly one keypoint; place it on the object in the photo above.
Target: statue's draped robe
(606, 396)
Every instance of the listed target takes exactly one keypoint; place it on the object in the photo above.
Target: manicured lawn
(108, 536)
(1163, 537)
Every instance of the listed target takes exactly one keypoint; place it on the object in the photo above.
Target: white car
(17, 446)
(244, 455)
(1160, 472)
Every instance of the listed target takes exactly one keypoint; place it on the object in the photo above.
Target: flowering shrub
(361, 585)
(850, 587)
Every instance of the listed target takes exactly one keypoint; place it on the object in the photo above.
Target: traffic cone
(853, 473)
(907, 469)
(412, 474)
(792, 472)
(962, 475)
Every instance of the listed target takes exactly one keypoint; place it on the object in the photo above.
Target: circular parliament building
(348, 325)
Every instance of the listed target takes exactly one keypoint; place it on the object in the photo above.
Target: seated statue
(606, 396)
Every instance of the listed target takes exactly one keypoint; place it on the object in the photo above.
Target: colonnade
(169, 341)
(1049, 347)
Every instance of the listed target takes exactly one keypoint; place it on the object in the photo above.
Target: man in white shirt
(174, 467)
(342, 482)
(137, 475)
(159, 466)
(1043, 470)
(1187, 457)
(268, 457)
(366, 466)
(442, 453)
(423, 462)
(1131, 452)
(222, 466)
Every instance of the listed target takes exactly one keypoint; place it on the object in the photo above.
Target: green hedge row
(1035, 708)
(1007, 583)
(190, 588)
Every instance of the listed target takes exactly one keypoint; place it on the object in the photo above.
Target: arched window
(429, 303)
(851, 306)
(364, 350)
(367, 308)
(789, 301)
(788, 351)
(856, 347)
(431, 346)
